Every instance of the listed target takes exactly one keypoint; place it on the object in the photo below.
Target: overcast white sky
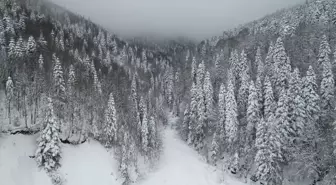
(192, 18)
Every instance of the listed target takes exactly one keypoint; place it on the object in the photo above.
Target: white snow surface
(90, 164)
(182, 165)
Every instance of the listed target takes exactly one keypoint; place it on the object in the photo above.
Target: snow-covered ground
(86, 164)
(181, 165)
(90, 163)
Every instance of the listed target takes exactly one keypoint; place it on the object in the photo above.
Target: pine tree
(144, 131)
(297, 111)
(252, 112)
(327, 88)
(59, 84)
(324, 52)
(193, 114)
(201, 113)
(284, 130)
(185, 124)
(152, 136)
(268, 169)
(111, 126)
(9, 96)
(260, 64)
(208, 96)
(48, 153)
(19, 48)
(222, 113)
(200, 74)
(96, 82)
(31, 46)
(125, 157)
(243, 64)
(259, 89)
(203, 50)
(214, 149)
(310, 95)
(11, 48)
(234, 63)
(282, 66)
(22, 24)
(231, 120)
(42, 41)
(71, 79)
(269, 103)
(243, 93)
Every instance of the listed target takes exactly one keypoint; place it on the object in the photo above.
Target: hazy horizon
(193, 19)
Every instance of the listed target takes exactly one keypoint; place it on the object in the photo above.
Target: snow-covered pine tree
(111, 126)
(193, 114)
(203, 50)
(144, 131)
(11, 49)
(282, 67)
(252, 113)
(31, 46)
(96, 82)
(201, 111)
(260, 64)
(269, 103)
(243, 93)
(324, 52)
(284, 129)
(71, 97)
(9, 96)
(19, 48)
(152, 137)
(71, 79)
(310, 95)
(214, 148)
(262, 158)
(208, 97)
(48, 153)
(297, 111)
(231, 120)
(200, 74)
(184, 130)
(222, 113)
(234, 63)
(125, 157)
(259, 89)
(268, 168)
(42, 41)
(59, 84)
(327, 88)
(244, 65)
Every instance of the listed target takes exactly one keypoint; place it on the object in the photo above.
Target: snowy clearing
(90, 163)
(181, 165)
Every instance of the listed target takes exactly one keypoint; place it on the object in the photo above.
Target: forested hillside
(69, 80)
(257, 102)
(261, 98)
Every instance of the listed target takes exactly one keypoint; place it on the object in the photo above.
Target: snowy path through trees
(181, 165)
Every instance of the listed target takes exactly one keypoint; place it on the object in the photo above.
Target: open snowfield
(87, 164)
(90, 164)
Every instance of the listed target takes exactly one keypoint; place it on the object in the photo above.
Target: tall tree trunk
(35, 110)
(9, 112)
(25, 111)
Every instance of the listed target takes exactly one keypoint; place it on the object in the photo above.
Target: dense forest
(258, 100)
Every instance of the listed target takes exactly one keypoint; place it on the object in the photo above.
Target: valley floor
(90, 163)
